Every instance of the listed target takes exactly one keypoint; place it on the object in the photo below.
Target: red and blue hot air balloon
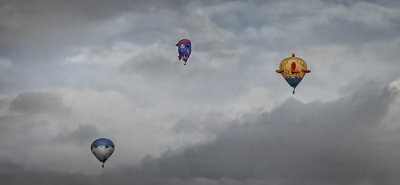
(184, 49)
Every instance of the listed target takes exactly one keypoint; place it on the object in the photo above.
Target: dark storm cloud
(339, 142)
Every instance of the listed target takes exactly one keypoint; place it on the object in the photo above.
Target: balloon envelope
(102, 149)
(184, 49)
(293, 70)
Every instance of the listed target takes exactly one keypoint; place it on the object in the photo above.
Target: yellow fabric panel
(286, 67)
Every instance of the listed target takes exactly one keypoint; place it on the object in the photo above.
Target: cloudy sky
(74, 71)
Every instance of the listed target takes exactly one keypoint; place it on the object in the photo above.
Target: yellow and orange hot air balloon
(293, 70)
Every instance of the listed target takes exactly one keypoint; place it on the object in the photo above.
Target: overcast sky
(73, 71)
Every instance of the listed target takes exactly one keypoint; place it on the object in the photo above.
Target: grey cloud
(38, 103)
(83, 135)
(153, 65)
(236, 53)
(236, 47)
(37, 127)
(30, 110)
(42, 30)
(299, 24)
(339, 142)
(36, 178)
(350, 2)
(320, 143)
(163, 70)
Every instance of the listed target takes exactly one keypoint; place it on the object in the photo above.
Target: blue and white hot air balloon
(102, 149)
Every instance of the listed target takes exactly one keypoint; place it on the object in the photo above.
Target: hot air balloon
(184, 49)
(102, 149)
(293, 70)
